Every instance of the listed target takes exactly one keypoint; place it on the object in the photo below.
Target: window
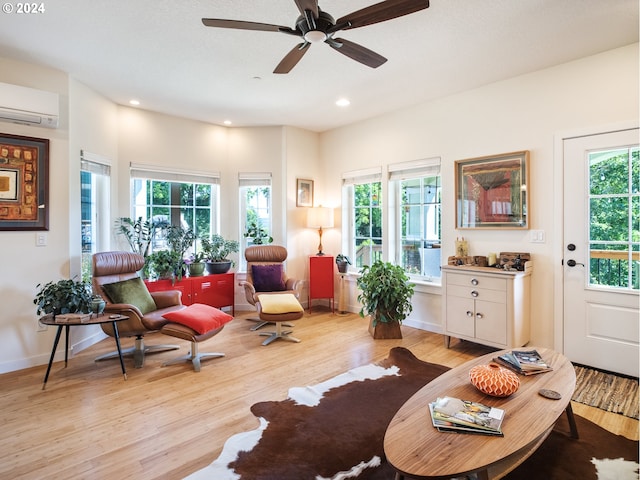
(614, 219)
(185, 199)
(418, 191)
(362, 197)
(94, 205)
(255, 211)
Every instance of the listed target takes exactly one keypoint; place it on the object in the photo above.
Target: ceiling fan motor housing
(315, 30)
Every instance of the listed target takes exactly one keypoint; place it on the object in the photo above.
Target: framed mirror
(491, 192)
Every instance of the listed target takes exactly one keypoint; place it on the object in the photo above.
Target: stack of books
(524, 362)
(73, 318)
(450, 414)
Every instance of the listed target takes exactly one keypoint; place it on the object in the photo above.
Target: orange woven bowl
(494, 380)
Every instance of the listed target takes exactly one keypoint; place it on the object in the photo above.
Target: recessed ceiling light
(343, 102)
(134, 102)
(227, 122)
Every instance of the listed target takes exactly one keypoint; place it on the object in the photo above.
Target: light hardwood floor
(167, 422)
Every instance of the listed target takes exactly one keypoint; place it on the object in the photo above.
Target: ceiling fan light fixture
(315, 36)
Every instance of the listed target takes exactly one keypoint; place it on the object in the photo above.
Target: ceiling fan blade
(311, 5)
(292, 58)
(356, 52)
(381, 12)
(242, 25)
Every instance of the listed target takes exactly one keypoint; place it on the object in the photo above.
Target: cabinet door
(321, 277)
(460, 316)
(491, 321)
(214, 290)
(163, 285)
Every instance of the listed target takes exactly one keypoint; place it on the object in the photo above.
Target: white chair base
(194, 357)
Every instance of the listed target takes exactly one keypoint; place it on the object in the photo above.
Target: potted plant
(385, 295)
(63, 296)
(257, 234)
(196, 263)
(342, 261)
(164, 264)
(216, 251)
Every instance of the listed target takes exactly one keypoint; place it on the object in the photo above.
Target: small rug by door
(335, 430)
(607, 391)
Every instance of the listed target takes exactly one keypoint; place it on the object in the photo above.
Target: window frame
(349, 182)
(415, 170)
(99, 170)
(148, 173)
(253, 180)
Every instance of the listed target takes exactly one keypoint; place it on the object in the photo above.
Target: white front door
(601, 262)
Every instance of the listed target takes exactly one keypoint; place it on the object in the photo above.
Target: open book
(450, 414)
(524, 362)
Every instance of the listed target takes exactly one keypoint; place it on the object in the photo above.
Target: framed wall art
(24, 183)
(304, 193)
(491, 192)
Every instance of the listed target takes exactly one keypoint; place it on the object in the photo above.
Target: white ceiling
(159, 52)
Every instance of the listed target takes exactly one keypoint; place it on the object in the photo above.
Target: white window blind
(359, 177)
(90, 162)
(254, 179)
(427, 167)
(152, 172)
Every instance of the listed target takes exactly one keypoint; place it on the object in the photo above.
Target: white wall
(23, 265)
(523, 113)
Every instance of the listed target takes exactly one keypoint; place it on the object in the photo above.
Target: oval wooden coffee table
(417, 450)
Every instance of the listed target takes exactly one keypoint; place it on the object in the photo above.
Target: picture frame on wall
(24, 183)
(304, 193)
(492, 191)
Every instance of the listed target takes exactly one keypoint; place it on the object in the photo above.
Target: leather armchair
(111, 267)
(267, 255)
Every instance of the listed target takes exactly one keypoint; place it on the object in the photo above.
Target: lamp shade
(320, 217)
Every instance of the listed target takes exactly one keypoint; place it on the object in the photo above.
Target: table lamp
(320, 217)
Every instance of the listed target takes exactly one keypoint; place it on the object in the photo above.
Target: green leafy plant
(257, 233)
(385, 292)
(217, 249)
(179, 239)
(139, 233)
(63, 296)
(165, 263)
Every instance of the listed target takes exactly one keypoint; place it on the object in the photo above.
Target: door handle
(573, 263)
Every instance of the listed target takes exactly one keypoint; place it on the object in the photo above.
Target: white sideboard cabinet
(487, 305)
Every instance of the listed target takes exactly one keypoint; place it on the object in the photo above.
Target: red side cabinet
(321, 275)
(215, 290)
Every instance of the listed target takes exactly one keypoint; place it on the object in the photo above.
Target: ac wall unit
(28, 106)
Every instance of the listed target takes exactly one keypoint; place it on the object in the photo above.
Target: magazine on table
(449, 414)
(524, 362)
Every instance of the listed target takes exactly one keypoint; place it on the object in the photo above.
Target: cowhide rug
(335, 430)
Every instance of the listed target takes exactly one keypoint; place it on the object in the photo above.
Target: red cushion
(201, 318)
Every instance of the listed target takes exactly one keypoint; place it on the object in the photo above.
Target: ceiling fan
(315, 26)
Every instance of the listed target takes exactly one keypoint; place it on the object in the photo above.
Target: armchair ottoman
(278, 308)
